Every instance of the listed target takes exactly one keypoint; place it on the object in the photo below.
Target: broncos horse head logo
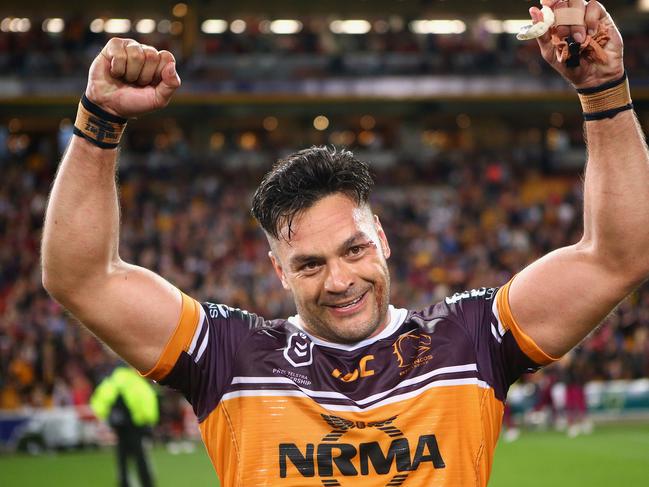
(410, 346)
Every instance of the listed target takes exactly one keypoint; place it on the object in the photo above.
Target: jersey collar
(397, 317)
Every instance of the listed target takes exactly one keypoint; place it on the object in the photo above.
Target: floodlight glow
(179, 10)
(238, 26)
(320, 122)
(512, 26)
(437, 26)
(117, 26)
(19, 24)
(350, 26)
(176, 28)
(214, 26)
(97, 26)
(494, 26)
(54, 25)
(24, 25)
(285, 26)
(164, 26)
(145, 26)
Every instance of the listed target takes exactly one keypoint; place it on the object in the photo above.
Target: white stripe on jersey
(337, 395)
(494, 310)
(415, 380)
(495, 334)
(203, 346)
(201, 323)
(339, 407)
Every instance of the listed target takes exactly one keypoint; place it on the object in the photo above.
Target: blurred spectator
(314, 52)
(495, 212)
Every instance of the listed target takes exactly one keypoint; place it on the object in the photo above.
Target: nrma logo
(331, 457)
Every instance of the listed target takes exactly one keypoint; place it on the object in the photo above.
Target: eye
(356, 250)
(310, 267)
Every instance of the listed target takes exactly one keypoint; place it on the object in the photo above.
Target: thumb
(169, 83)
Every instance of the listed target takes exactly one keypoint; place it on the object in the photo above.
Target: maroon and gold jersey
(420, 404)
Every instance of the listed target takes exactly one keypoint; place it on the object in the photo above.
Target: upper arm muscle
(561, 297)
(133, 310)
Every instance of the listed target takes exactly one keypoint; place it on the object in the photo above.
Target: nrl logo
(299, 350)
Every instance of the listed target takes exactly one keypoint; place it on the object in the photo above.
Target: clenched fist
(130, 79)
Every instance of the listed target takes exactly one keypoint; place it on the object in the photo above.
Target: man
(350, 386)
(130, 405)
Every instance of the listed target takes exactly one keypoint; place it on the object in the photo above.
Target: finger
(536, 14)
(595, 13)
(114, 51)
(134, 61)
(151, 60)
(561, 31)
(549, 3)
(578, 32)
(165, 58)
(169, 83)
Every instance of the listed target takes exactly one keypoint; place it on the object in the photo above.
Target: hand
(587, 74)
(130, 79)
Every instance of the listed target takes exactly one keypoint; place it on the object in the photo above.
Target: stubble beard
(316, 322)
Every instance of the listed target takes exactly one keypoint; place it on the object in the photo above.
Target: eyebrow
(300, 259)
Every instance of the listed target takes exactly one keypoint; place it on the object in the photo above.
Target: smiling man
(328, 249)
(350, 391)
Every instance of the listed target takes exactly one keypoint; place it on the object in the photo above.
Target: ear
(385, 246)
(278, 270)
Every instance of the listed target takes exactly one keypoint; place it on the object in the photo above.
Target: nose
(339, 278)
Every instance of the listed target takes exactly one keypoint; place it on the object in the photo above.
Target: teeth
(349, 304)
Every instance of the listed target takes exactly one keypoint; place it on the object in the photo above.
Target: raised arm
(560, 298)
(131, 309)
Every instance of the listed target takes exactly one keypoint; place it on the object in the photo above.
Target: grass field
(612, 455)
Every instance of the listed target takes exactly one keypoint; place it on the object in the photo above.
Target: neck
(302, 325)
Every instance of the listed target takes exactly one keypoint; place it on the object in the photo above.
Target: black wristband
(607, 113)
(100, 112)
(98, 143)
(604, 86)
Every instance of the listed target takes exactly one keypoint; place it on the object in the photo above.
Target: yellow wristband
(97, 126)
(606, 100)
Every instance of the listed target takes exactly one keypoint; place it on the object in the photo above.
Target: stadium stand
(498, 216)
(470, 218)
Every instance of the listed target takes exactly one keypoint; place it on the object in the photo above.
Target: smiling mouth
(348, 304)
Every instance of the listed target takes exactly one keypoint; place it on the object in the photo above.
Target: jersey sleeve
(504, 351)
(199, 357)
(507, 324)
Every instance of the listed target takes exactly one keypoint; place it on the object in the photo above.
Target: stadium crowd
(314, 52)
(468, 219)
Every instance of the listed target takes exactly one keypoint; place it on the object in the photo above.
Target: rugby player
(351, 390)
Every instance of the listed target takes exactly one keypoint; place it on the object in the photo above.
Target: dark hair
(297, 182)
